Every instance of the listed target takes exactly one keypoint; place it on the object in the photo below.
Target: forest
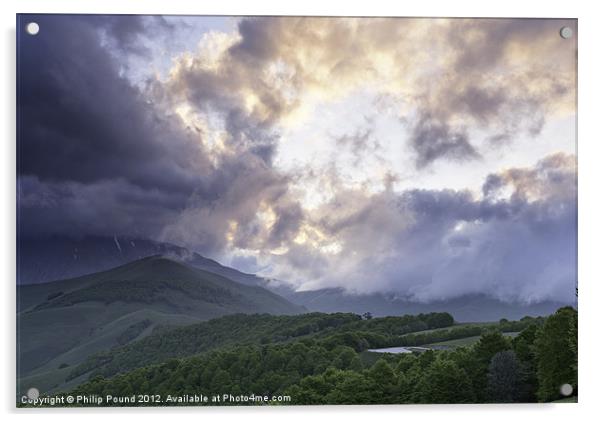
(324, 359)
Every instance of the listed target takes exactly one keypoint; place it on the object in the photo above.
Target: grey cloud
(75, 108)
(427, 245)
(99, 156)
(102, 208)
(432, 140)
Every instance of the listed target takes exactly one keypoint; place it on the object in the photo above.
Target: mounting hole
(566, 32)
(566, 389)
(32, 28)
(33, 393)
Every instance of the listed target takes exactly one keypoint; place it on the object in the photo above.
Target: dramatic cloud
(308, 148)
(503, 76)
(518, 242)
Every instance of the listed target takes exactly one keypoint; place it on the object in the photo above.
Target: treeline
(320, 370)
(240, 329)
(504, 326)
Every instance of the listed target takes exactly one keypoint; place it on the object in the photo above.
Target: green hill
(319, 359)
(253, 329)
(61, 323)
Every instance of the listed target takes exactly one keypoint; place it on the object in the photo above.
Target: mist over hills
(467, 308)
(60, 257)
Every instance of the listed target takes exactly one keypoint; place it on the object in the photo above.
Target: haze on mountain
(64, 257)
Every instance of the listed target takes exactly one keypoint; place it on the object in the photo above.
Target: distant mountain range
(42, 260)
(469, 308)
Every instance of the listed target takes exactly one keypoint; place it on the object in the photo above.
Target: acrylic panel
(223, 210)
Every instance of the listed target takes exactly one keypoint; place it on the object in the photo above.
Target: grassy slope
(463, 342)
(225, 332)
(65, 329)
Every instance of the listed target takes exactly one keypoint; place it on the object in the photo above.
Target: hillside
(327, 359)
(253, 329)
(61, 323)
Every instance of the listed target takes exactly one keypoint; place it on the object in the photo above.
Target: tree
(504, 377)
(523, 346)
(386, 387)
(489, 344)
(349, 387)
(445, 382)
(556, 353)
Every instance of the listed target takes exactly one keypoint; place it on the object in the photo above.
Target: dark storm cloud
(80, 121)
(99, 156)
(432, 139)
(127, 31)
(105, 208)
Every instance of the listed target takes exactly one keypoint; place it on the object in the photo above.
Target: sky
(430, 158)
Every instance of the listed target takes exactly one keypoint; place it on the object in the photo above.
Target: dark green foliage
(556, 354)
(315, 358)
(504, 378)
(444, 382)
(385, 381)
(220, 332)
(523, 346)
(488, 346)
(258, 369)
(334, 329)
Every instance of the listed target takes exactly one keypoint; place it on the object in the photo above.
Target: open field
(463, 342)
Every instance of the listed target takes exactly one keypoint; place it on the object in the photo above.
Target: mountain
(62, 322)
(60, 257)
(468, 308)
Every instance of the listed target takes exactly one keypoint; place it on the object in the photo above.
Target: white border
(590, 69)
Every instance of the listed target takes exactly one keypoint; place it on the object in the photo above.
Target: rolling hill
(60, 323)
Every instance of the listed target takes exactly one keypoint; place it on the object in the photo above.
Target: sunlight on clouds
(266, 216)
(358, 121)
(231, 233)
(209, 131)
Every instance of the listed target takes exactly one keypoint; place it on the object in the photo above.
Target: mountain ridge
(102, 309)
(41, 258)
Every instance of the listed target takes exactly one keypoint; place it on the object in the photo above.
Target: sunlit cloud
(417, 156)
